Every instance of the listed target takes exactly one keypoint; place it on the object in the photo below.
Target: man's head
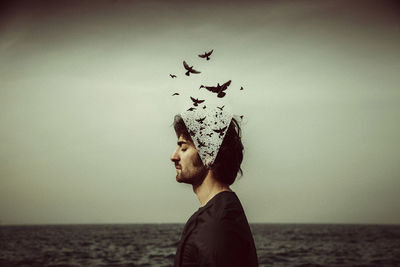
(228, 160)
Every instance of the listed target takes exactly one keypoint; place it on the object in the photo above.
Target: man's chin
(191, 181)
(180, 180)
(184, 180)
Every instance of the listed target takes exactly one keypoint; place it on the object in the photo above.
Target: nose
(175, 156)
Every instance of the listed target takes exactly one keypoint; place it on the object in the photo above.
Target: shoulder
(227, 207)
(223, 219)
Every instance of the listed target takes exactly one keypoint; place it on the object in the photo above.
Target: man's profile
(218, 233)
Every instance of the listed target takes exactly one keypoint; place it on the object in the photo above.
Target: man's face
(189, 167)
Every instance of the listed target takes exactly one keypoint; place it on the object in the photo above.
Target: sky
(86, 108)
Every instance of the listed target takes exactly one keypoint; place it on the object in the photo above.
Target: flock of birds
(219, 89)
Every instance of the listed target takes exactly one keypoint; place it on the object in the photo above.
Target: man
(218, 233)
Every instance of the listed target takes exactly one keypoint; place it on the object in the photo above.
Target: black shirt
(218, 234)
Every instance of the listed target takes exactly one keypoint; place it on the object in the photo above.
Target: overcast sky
(86, 108)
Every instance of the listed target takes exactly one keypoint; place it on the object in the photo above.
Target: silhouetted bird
(191, 109)
(201, 120)
(201, 144)
(209, 134)
(241, 117)
(207, 55)
(172, 76)
(196, 101)
(175, 94)
(219, 89)
(221, 93)
(220, 131)
(221, 108)
(241, 87)
(210, 153)
(189, 69)
(204, 106)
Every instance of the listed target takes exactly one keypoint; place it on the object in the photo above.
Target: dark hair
(230, 155)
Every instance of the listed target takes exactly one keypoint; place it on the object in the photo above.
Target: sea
(155, 245)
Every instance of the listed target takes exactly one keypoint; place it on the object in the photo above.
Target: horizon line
(251, 223)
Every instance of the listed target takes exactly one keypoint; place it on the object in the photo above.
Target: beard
(194, 175)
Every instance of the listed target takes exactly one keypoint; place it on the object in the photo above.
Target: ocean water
(155, 245)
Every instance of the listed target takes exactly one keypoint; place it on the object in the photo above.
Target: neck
(209, 188)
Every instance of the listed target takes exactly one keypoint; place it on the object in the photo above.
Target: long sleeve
(189, 255)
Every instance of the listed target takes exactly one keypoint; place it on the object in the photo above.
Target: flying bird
(210, 153)
(201, 120)
(196, 101)
(189, 69)
(219, 89)
(191, 109)
(175, 94)
(201, 144)
(173, 76)
(220, 131)
(204, 106)
(221, 93)
(206, 55)
(241, 87)
(209, 134)
(241, 117)
(221, 108)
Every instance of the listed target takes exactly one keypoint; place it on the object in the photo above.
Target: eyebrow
(182, 142)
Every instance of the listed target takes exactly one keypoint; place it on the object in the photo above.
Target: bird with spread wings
(206, 55)
(219, 89)
(189, 69)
